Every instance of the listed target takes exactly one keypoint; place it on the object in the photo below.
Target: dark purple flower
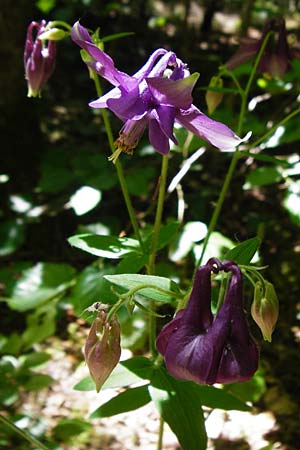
(277, 56)
(209, 349)
(149, 97)
(39, 59)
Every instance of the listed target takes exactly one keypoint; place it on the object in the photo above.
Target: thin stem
(158, 215)
(152, 256)
(160, 433)
(236, 155)
(24, 434)
(271, 130)
(250, 81)
(119, 168)
(219, 204)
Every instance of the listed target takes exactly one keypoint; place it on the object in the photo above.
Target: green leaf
(40, 325)
(266, 158)
(67, 428)
(132, 263)
(244, 252)
(120, 377)
(218, 398)
(34, 359)
(128, 400)
(106, 246)
(45, 5)
(179, 403)
(248, 391)
(40, 283)
(131, 281)
(90, 287)
(263, 176)
(11, 236)
(37, 381)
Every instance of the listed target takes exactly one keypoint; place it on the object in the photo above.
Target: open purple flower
(210, 349)
(150, 97)
(277, 56)
(39, 59)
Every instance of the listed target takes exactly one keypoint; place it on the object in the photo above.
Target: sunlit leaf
(128, 400)
(39, 284)
(131, 281)
(11, 236)
(106, 246)
(244, 252)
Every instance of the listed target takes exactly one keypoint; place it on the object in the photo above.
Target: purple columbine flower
(39, 59)
(209, 349)
(158, 95)
(277, 56)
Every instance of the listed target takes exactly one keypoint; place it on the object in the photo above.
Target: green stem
(152, 256)
(24, 434)
(219, 204)
(271, 130)
(236, 155)
(160, 433)
(119, 168)
(61, 23)
(158, 215)
(249, 83)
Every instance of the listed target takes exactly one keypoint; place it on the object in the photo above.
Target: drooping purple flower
(209, 349)
(277, 55)
(150, 97)
(39, 59)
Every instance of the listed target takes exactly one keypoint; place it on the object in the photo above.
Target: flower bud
(264, 309)
(214, 98)
(39, 59)
(102, 348)
(53, 34)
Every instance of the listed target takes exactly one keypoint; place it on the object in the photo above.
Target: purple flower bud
(210, 349)
(39, 59)
(277, 55)
(102, 348)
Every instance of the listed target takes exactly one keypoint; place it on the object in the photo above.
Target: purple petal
(216, 133)
(104, 64)
(244, 53)
(101, 102)
(169, 59)
(146, 69)
(166, 117)
(158, 138)
(167, 331)
(176, 93)
(128, 106)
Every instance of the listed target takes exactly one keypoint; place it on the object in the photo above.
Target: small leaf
(179, 404)
(37, 381)
(112, 37)
(218, 398)
(128, 400)
(131, 281)
(40, 283)
(11, 236)
(106, 246)
(67, 428)
(244, 252)
(34, 359)
(263, 176)
(125, 373)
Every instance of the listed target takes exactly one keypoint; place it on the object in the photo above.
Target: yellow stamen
(113, 158)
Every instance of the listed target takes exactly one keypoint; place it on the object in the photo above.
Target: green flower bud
(214, 98)
(102, 348)
(53, 34)
(264, 309)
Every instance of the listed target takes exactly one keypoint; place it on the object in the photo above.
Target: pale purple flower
(209, 349)
(153, 96)
(39, 58)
